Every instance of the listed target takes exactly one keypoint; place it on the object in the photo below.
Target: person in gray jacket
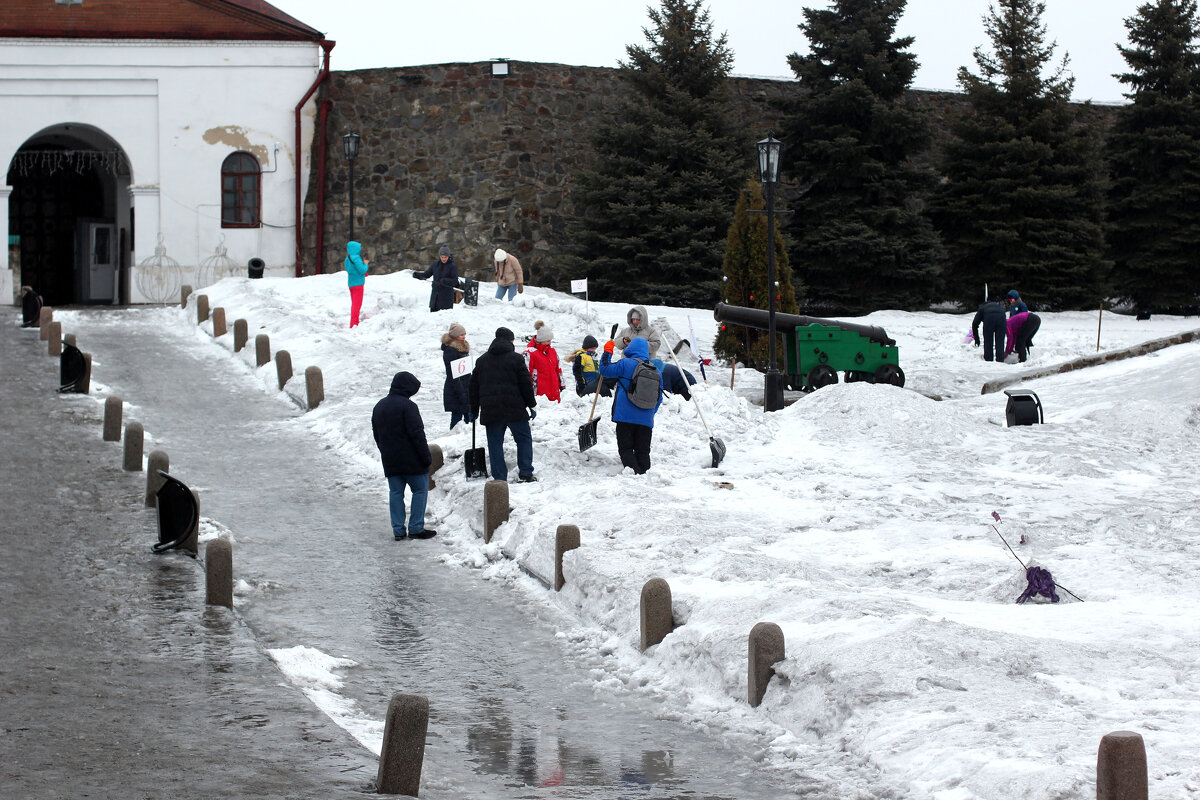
(638, 328)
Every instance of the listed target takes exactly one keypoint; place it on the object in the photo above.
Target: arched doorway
(70, 209)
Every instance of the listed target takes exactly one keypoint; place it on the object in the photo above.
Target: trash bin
(256, 267)
(178, 514)
(72, 368)
(470, 290)
(1024, 408)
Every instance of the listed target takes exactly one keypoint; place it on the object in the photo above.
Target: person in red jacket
(544, 369)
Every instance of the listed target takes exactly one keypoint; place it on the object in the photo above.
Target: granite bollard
(55, 342)
(436, 461)
(656, 617)
(566, 538)
(262, 350)
(218, 318)
(218, 572)
(283, 368)
(84, 384)
(135, 437)
(1121, 772)
(112, 418)
(241, 331)
(158, 460)
(201, 309)
(495, 507)
(314, 387)
(403, 751)
(766, 649)
(45, 317)
(184, 292)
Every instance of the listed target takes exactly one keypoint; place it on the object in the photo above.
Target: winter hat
(1014, 294)
(500, 255)
(589, 342)
(537, 326)
(444, 250)
(457, 330)
(544, 334)
(506, 334)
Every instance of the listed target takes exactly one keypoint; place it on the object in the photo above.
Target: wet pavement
(119, 683)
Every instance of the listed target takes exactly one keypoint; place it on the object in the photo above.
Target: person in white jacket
(507, 274)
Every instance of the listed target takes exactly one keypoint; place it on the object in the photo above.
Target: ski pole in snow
(996, 516)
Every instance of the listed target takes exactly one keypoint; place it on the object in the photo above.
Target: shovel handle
(600, 380)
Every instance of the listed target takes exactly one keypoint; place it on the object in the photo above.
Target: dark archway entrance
(65, 208)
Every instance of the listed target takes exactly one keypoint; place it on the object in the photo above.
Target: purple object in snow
(996, 516)
(1040, 582)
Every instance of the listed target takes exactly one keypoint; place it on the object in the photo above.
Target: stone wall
(452, 154)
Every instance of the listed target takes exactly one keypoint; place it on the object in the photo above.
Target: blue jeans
(510, 290)
(524, 440)
(420, 493)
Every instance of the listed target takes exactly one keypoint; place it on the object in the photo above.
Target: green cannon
(816, 350)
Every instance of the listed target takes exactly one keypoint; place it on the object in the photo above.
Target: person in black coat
(444, 273)
(454, 392)
(991, 314)
(500, 394)
(400, 436)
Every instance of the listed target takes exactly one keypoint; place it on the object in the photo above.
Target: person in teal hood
(356, 276)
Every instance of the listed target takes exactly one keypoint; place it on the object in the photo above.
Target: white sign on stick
(461, 367)
(579, 286)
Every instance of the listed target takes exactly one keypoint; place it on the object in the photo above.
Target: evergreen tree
(744, 282)
(1154, 160)
(656, 199)
(862, 241)
(1022, 202)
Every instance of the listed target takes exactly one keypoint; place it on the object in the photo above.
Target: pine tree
(1022, 202)
(744, 282)
(1154, 160)
(656, 199)
(862, 241)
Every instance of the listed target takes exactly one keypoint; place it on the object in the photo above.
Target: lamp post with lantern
(350, 142)
(768, 172)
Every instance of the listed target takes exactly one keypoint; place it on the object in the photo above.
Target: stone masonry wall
(452, 154)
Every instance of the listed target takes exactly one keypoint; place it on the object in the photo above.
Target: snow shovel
(714, 444)
(587, 431)
(476, 465)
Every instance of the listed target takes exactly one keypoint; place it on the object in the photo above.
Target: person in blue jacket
(356, 276)
(400, 435)
(1015, 304)
(444, 273)
(635, 426)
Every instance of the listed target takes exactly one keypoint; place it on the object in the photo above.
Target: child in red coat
(544, 369)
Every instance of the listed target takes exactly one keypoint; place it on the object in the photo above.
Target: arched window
(240, 191)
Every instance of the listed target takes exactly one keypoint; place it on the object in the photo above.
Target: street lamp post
(768, 172)
(350, 143)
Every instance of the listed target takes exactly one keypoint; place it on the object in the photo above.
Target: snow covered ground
(859, 520)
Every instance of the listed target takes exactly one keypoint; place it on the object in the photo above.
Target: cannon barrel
(758, 318)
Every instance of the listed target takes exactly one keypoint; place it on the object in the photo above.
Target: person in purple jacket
(1019, 336)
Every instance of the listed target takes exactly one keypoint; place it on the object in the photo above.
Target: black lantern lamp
(768, 172)
(350, 144)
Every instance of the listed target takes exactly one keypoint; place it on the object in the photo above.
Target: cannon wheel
(820, 375)
(857, 375)
(890, 373)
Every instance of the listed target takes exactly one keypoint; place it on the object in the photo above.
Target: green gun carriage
(816, 350)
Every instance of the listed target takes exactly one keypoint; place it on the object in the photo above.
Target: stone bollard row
(262, 350)
(241, 332)
(656, 617)
(403, 751)
(218, 572)
(495, 507)
(55, 346)
(158, 460)
(201, 309)
(314, 387)
(45, 317)
(1121, 772)
(184, 292)
(218, 318)
(135, 437)
(566, 538)
(283, 368)
(766, 650)
(113, 408)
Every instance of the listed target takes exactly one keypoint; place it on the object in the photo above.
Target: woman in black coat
(444, 273)
(454, 392)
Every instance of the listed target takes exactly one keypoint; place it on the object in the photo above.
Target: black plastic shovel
(475, 461)
(587, 431)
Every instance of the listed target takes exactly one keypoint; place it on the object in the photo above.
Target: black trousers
(633, 445)
(1025, 335)
(993, 337)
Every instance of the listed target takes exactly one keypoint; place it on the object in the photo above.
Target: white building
(151, 145)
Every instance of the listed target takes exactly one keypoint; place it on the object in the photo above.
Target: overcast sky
(391, 33)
